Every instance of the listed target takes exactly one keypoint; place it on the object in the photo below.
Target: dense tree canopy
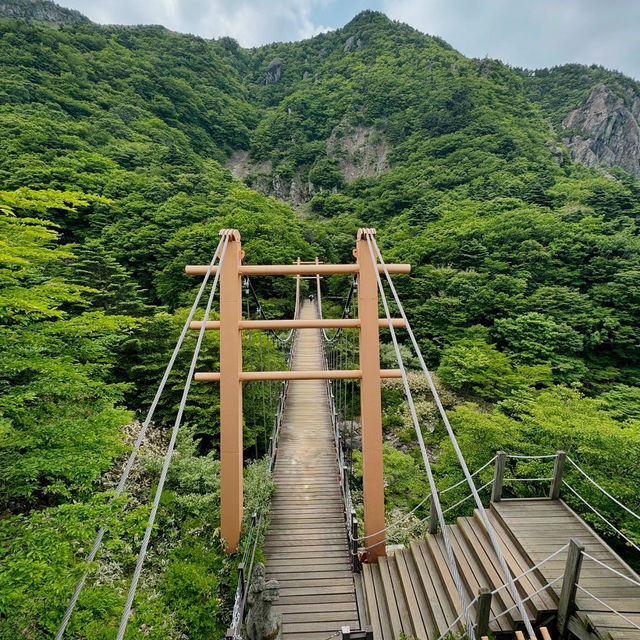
(524, 295)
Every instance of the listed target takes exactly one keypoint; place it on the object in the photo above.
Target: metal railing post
(498, 477)
(566, 604)
(558, 469)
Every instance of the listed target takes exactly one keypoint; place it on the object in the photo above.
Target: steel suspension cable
(454, 441)
(260, 310)
(345, 309)
(432, 484)
(136, 447)
(124, 621)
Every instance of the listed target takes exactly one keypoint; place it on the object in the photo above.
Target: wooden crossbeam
(293, 269)
(317, 323)
(319, 374)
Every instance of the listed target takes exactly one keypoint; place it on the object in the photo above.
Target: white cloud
(251, 22)
(527, 33)
(532, 34)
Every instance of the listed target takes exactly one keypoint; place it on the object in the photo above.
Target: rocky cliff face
(605, 129)
(40, 11)
(360, 152)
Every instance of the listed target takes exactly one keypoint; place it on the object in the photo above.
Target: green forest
(115, 173)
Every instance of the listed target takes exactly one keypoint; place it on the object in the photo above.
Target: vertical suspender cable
(136, 447)
(167, 459)
(485, 520)
(434, 491)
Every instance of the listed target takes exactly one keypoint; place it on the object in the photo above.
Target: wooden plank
(439, 604)
(387, 632)
(442, 566)
(401, 600)
(372, 605)
(392, 606)
(414, 613)
(317, 607)
(295, 627)
(473, 575)
(336, 618)
(611, 621)
(488, 556)
(298, 598)
(447, 593)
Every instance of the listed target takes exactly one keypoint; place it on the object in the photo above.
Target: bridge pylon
(231, 375)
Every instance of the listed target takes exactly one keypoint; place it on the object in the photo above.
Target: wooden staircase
(412, 590)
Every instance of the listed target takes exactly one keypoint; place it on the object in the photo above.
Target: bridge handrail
(608, 606)
(601, 488)
(452, 437)
(605, 520)
(544, 587)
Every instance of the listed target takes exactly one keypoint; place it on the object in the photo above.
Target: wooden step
(417, 605)
(439, 606)
(545, 602)
(474, 577)
(469, 529)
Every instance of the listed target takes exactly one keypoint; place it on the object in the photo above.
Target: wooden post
(346, 632)
(433, 516)
(498, 477)
(558, 469)
(566, 605)
(231, 393)
(370, 398)
(484, 609)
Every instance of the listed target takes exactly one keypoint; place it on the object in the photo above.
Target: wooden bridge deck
(305, 545)
(412, 591)
(539, 527)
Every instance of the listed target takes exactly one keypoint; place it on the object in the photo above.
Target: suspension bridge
(512, 567)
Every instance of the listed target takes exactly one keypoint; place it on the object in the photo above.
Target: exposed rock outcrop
(348, 45)
(274, 71)
(605, 129)
(40, 11)
(361, 151)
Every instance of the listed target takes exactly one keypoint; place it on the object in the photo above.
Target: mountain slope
(596, 111)
(524, 289)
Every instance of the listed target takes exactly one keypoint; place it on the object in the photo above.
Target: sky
(523, 33)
